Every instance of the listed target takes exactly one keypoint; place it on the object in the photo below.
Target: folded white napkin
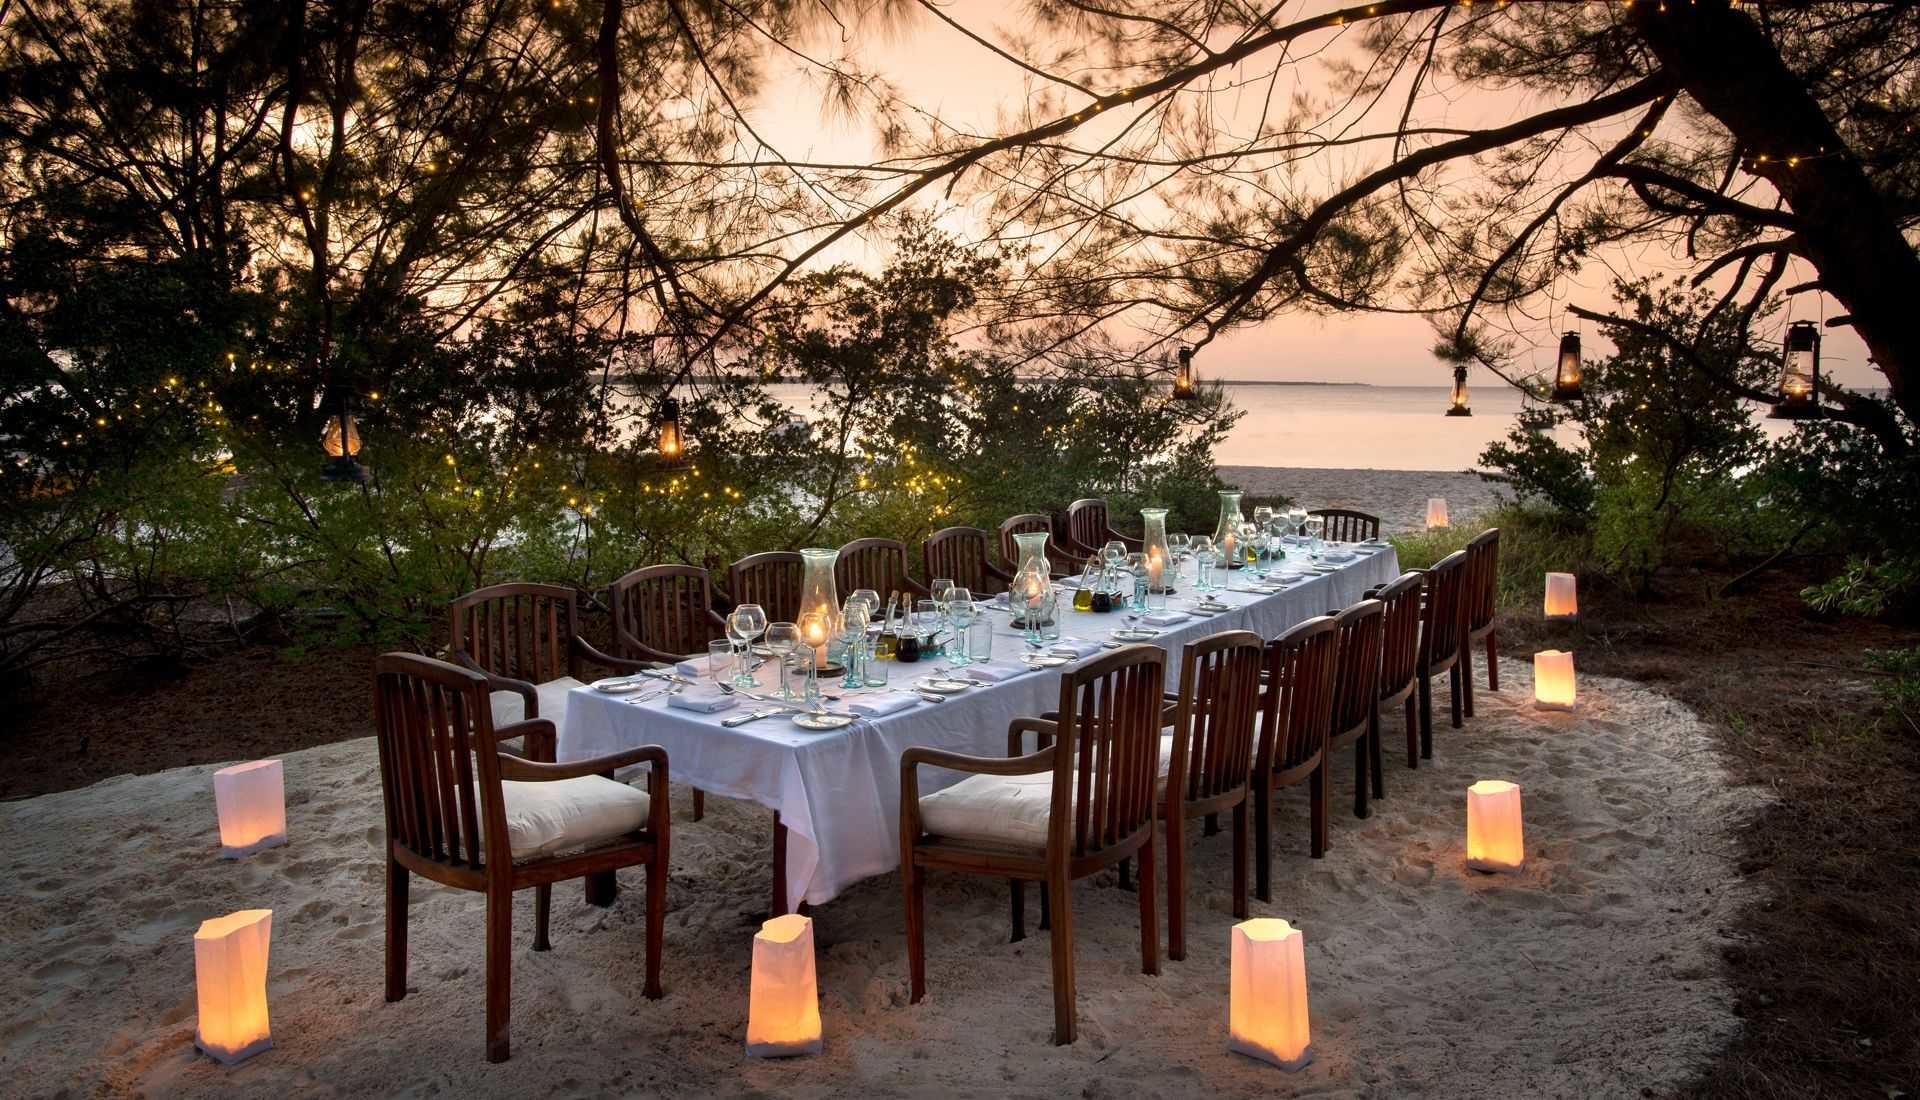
(707, 701)
(1163, 618)
(1339, 555)
(1077, 646)
(692, 668)
(993, 673)
(887, 702)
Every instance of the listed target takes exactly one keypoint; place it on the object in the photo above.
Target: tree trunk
(1727, 65)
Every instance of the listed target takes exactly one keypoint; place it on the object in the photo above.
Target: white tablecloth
(838, 793)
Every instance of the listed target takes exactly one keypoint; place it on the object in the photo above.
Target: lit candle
(1156, 568)
(813, 633)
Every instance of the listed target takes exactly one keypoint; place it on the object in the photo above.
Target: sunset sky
(941, 72)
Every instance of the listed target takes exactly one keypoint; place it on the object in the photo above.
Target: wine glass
(1316, 527)
(781, 640)
(853, 635)
(1114, 552)
(1202, 550)
(1177, 545)
(869, 597)
(745, 624)
(1263, 515)
(960, 612)
(938, 588)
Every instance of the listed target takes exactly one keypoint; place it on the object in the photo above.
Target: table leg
(779, 867)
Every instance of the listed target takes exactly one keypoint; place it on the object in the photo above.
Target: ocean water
(1344, 427)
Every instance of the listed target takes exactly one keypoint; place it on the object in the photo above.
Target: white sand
(1595, 972)
(1398, 497)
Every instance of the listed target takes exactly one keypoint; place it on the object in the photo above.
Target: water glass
(1203, 570)
(1050, 614)
(961, 613)
(873, 671)
(782, 639)
(980, 640)
(720, 661)
(800, 679)
(746, 623)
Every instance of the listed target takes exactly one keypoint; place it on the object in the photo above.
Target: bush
(1534, 541)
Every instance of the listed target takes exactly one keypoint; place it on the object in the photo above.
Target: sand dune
(1594, 972)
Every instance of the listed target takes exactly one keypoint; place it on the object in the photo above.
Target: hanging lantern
(1553, 680)
(230, 985)
(1566, 378)
(251, 800)
(1183, 377)
(1267, 993)
(1436, 513)
(783, 1004)
(1457, 403)
(672, 441)
(1800, 374)
(1494, 839)
(1562, 602)
(340, 439)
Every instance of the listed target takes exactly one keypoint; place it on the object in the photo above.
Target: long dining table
(836, 794)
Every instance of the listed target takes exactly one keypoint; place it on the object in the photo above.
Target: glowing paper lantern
(1494, 841)
(252, 803)
(230, 983)
(783, 1011)
(1553, 679)
(1267, 994)
(1561, 601)
(1436, 512)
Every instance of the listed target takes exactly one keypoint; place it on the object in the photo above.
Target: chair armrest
(606, 660)
(541, 739)
(522, 688)
(514, 767)
(1127, 541)
(1046, 729)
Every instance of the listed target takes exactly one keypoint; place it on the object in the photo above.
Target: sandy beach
(1398, 497)
(1595, 971)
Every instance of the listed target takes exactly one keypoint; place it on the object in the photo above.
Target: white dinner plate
(808, 720)
(943, 686)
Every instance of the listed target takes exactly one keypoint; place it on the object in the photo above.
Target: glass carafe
(1153, 543)
(817, 594)
(1226, 533)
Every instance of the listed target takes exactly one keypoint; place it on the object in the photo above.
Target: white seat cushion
(510, 706)
(1010, 810)
(564, 815)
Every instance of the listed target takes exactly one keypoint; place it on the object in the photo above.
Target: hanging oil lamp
(340, 440)
(1799, 374)
(672, 443)
(1457, 403)
(1183, 377)
(1566, 377)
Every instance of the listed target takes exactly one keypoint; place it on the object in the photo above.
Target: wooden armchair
(1400, 652)
(879, 564)
(960, 554)
(770, 579)
(467, 815)
(664, 614)
(1441, 625)
(1347, 525)
(1028, 523)
(1356, 688)
(1087, 529)
(1479, 598)
(1207, 759)
(1082, 802)
(524, 639)
(1296, 710)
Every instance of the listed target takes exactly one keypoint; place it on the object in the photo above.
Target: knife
(742, 719)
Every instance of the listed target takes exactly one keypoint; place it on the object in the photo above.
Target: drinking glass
(938, 588)
(926, 624)
(1114, 552)
(873, 670)
(720, 661)
(961, 613)
(869, 597)
(1316, 526)
(980, 640)
(781, 640)
(746, 623)
(800, 680)
(1137, 564)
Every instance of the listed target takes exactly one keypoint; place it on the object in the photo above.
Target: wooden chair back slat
(1442, 616)
(770, 579)
(664, 611)
(1296, 708)
(1399, 633)
(520, 631)
(1482, 583)
(960, 554)
(438, 773)
(1358, 633)
(879, 564)
(1110, 745)
(1213, 731)
(1347, 525)
(1087, 525)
